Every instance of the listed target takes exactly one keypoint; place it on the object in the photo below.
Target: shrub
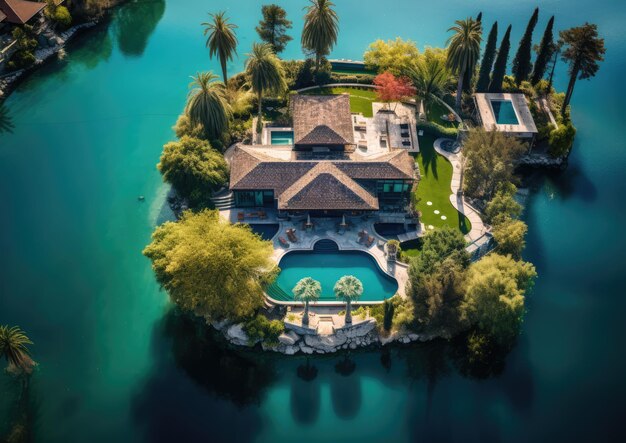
(240, 130)
(363, 79)
(62, 16)
(561, 139)
(183, 128)
(260, 328)
(388, 309)
(437, 130)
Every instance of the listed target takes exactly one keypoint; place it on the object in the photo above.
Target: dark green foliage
(488, 58)
(561, 139)
(583, 50)
(260, 328)
(26, 45)
(436, 129)
(363, 79)
(437, 246)
(544, 53)
(272, 29)
(499, 68)
(503, 205)
(521, 63)
(388, 309)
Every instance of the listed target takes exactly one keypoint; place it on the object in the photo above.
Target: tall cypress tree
(499, 68)
(521, 63)
(546, 48)
(469, 75)
(488, 57)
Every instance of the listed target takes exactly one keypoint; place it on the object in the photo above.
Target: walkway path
(478, 227)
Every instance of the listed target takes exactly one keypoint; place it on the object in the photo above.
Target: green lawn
(360, 99)
(434, 187)
(434, 111)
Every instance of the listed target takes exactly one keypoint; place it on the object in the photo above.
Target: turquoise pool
(282, 137)
(327, 264)
(504, 112)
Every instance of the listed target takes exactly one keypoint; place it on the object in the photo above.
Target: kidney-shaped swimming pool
(327, 264)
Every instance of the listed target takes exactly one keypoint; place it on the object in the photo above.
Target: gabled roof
(20, 11)
(326, 187)
(322, 119)
(2, 16)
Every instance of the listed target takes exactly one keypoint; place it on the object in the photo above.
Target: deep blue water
(117, 365)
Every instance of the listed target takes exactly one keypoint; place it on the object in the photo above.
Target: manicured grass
(360, 99)
(434, 186)
(434, 111)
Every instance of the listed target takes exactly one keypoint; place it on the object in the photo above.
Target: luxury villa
(320, 170)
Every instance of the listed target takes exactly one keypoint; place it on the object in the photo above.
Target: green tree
(388, 311)
(489, 56)
(463, 51)
(321, 29)
(522, 64)
(207, 105)
(266, 74)
(430, 76)
(348, 288)
(14, 348)
(398, 56)
(490, 160)
(509, 235)
(437, 245)
(495, 295)
(222, 40)
(561, 139)
(469, 75)
(583, 50)
(307, 290)
(544, 53)
(183, 127)
(503, 205)
(273, 28)
(499, 67)
(193, 168)
(211, 267)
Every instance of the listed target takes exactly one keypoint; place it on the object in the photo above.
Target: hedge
(437, 130)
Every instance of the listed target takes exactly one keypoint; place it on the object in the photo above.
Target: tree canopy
(14, 347)
(490, 157)
(583, 50)
(211, 267)
(463, 50)
(499, 66)
(430, 75)
(484, 75)
(221, 39)
(321, 29)
(273, 27)
(396, 56)
(509, 235)
(522, 64)
(207, 105)
(502, 205)
(392, 88)
(193, 167)
(495, 294)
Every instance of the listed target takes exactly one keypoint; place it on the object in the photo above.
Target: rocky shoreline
(296, 340)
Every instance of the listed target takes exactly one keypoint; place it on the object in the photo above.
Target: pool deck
(326, 229)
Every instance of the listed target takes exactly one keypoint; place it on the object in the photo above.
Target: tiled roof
(322, 119)
(20, 11)
(326, 187)
(298, 184)
(2, 16)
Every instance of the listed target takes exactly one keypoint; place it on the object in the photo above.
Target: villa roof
(326, 187)
(322, 119)
(20, 11)
(317, 184)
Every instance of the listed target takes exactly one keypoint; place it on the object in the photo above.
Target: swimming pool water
(504, 112)
(282, 137)
(329, 266)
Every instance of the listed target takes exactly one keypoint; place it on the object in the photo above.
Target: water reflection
(135, 23)
(6, 121)
(305, 394)
(94, 48)
(345, 390)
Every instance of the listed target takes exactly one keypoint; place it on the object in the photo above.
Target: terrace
(505, 112)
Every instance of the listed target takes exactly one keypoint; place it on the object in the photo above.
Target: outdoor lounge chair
(240, 216)
(283, 242)
(370, 241)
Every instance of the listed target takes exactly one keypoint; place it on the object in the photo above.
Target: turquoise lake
(116, 364)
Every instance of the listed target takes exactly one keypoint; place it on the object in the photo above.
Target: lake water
(117, 365)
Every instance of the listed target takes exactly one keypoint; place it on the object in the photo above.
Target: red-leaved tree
(392, 88)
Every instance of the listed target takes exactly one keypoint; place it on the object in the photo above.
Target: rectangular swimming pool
(504, 112)
(282, 137)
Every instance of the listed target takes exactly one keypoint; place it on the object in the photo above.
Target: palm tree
(221, 40)
(14, 347)
(207, 104)
(583, 50)
(463, 50)
(265, 72)
(430, 76)
(307, 290)
(321, 27)
(348, 288)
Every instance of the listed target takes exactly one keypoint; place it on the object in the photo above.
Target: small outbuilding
(506, 112)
